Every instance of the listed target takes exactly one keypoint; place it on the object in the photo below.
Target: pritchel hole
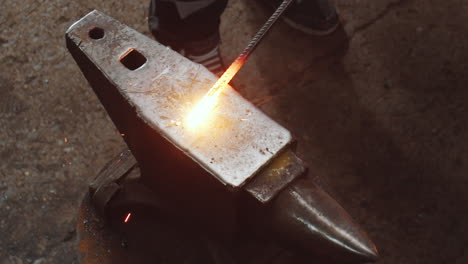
(96, 33)
(133, 59)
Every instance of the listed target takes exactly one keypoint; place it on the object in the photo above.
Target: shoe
(313, 17)
(198, 44)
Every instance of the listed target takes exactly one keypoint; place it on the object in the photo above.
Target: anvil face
(233, 144)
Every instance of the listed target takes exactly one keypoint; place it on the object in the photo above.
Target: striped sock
(211, 60)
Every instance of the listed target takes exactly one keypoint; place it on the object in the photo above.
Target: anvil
(238, 169)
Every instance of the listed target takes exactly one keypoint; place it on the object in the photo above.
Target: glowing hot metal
(204, 107)
(210, 100)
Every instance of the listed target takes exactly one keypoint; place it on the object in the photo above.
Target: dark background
(379, 110)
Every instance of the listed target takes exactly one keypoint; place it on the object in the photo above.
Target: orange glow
(127, 218)
(206, 105)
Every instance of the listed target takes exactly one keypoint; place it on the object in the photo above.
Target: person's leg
(190, 27)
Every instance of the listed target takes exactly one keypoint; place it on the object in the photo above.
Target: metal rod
(209, 101)
(237, 64)
(262, 32)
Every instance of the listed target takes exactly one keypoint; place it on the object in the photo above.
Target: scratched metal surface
(234, 142)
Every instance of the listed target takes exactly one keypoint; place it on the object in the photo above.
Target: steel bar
(209, 101)
(263, 30)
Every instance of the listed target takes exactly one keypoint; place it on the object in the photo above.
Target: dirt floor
(379, 110)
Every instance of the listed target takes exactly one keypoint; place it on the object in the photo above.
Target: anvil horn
(307, 217)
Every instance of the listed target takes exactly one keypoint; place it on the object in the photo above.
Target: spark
(206, 105)
(127, 218)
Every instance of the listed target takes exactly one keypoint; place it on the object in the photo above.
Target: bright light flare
(201, 111)
(205, 106)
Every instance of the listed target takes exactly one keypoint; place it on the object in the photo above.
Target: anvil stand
(152, 236)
